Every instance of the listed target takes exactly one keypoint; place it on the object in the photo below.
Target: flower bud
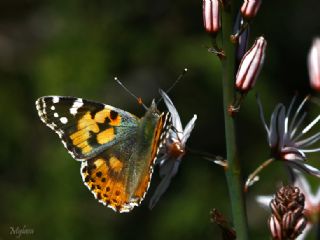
(275, 227)
(250, 66)
(287, 220)
(211, 16)
(314, 64)
(250, 8)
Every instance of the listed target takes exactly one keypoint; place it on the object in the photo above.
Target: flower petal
(281, 127)
(274, 137)
(304, 167)
(308, 141)
(289, 112)
(174, 113)
(292, 124)
(262, 115)
(264, 201)
(310, 150)
(293, 132)
(167, 170)
(188, 129)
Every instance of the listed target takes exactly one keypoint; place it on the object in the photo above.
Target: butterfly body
(117, 150)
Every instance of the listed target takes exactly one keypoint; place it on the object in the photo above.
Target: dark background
(75, 48)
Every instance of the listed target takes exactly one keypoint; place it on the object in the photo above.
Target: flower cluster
(311, 202)
(289, 139)
(287, 220)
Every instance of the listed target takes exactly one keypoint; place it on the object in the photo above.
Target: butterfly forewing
(85, 127)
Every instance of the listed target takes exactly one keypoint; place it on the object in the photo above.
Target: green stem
(233, 172)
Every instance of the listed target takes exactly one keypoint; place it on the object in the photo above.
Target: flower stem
(251, 178)
(233, 173)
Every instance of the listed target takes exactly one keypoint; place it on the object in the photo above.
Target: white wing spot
(52, 125)
(76, 105)
(63, 120)
(55, 99)
(53, 108)
(56, 115)
(44, 107)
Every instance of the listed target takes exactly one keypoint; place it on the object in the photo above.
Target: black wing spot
(87, 179)
(99, 196)
(84, 169)
(113, 115)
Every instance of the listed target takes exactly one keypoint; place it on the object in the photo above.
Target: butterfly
(117, 150)
(173, 149)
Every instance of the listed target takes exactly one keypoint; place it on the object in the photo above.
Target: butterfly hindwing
(119, 177)
(85, 127)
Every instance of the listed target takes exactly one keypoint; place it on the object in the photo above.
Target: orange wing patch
(115, 164)
(142, 188)
(106, 187)
(156, 139)
(112, 116)
(105, 136)
(85, 125)
(89, 124)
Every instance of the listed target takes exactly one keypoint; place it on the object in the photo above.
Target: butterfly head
(152, 111)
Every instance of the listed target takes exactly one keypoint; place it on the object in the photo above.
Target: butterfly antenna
(139, 99)
(175, 83)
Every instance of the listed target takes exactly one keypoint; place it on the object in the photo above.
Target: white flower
(285, 136)
(173, 150)
(312, 202)
(285, 139)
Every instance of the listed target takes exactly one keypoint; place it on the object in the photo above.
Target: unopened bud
(250, 66)
(314, 64)
(287, 220)
(211, 16)
(275, 227)
(250, 8)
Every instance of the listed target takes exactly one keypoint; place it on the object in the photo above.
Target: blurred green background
(76, 48)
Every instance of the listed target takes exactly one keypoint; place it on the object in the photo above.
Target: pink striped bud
(314, 64)
(251, 65)
(275, 228)
(211, 16)
(249, 8)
